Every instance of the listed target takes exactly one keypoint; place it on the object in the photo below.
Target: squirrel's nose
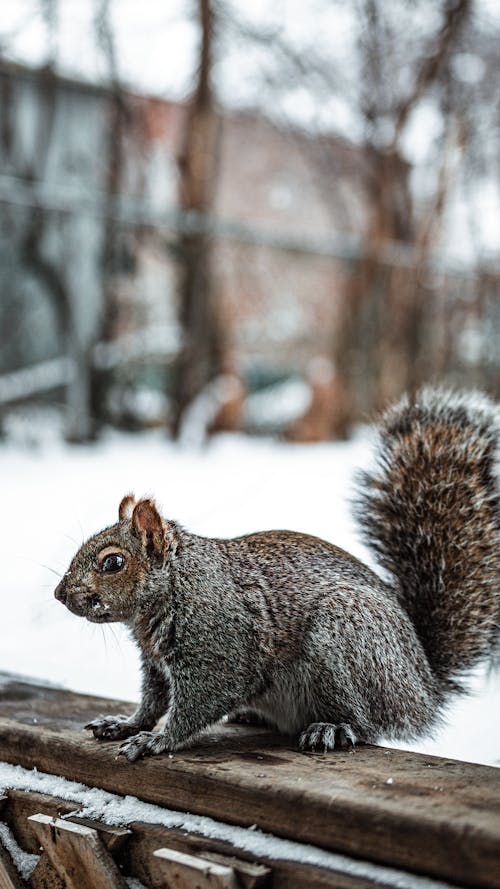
(60, 592)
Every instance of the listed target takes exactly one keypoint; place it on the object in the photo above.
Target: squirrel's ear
(126, 507)
(149, 527)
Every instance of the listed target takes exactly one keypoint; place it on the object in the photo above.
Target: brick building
(68, 148)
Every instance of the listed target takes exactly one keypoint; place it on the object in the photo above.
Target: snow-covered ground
(54, 496)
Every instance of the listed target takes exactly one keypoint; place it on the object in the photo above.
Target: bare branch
(455, 15)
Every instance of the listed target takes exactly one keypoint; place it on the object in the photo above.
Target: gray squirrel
(292, 629)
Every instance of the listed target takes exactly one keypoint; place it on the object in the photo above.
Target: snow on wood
(99, 805)
(404, 810)
(24, 862)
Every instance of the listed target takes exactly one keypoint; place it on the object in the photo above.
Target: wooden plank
(210, 870)
(416, 812)
(77, 854)
(146, 838)
(20, 804)
(136, 858)
(249, 876)
(183, 871)
(45, 876)
(112, 838)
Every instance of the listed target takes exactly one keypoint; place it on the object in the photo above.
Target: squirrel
(292, 629)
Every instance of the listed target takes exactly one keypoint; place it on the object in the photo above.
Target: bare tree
(117, 120)
(390, 205)
(199, 360)
(402, 55)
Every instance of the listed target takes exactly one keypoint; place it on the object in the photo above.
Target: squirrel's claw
(327, 736)
(112, 728)
(144, 744)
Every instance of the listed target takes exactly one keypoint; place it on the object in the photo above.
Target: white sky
(156, 46)
(155, 40)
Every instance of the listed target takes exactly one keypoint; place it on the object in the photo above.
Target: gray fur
(297, 631)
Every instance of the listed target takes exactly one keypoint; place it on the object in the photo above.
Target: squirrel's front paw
(144, 744)
(112, 728)
(327, 736)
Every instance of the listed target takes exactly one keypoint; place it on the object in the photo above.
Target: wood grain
(136, 853)
(146, 838)
(436, 816)
(183, 871)
(77, 854)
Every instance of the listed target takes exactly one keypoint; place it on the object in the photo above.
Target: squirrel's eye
(112, 563)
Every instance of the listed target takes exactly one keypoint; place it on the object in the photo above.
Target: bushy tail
(431, 510)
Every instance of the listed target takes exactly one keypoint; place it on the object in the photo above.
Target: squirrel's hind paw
(144, 744)
(327, 736)
(112, 728)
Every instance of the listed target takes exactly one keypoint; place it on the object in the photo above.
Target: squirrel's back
(431, 511)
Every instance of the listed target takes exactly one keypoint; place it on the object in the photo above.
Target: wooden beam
(192, 872)
(249, 876)
(77, 854)
(45, 876)
(135, 856)
(20, 804)
(217, 870)
(404, 810)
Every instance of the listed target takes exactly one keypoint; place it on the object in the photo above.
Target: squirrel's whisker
(81, 528)
(115, 637)
(57, 573)
(40, 564)
(103, 634)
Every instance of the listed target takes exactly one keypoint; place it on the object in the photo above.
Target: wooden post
(76, 853)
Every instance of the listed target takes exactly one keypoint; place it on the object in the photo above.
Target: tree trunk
(380, 346)
(373, 314)
(199, 359)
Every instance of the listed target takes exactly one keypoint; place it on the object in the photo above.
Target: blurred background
(229, 234)
(203, 202)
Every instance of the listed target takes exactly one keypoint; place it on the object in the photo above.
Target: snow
(24, 861)
(276, 406)
(53, 496)
(115, 810)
